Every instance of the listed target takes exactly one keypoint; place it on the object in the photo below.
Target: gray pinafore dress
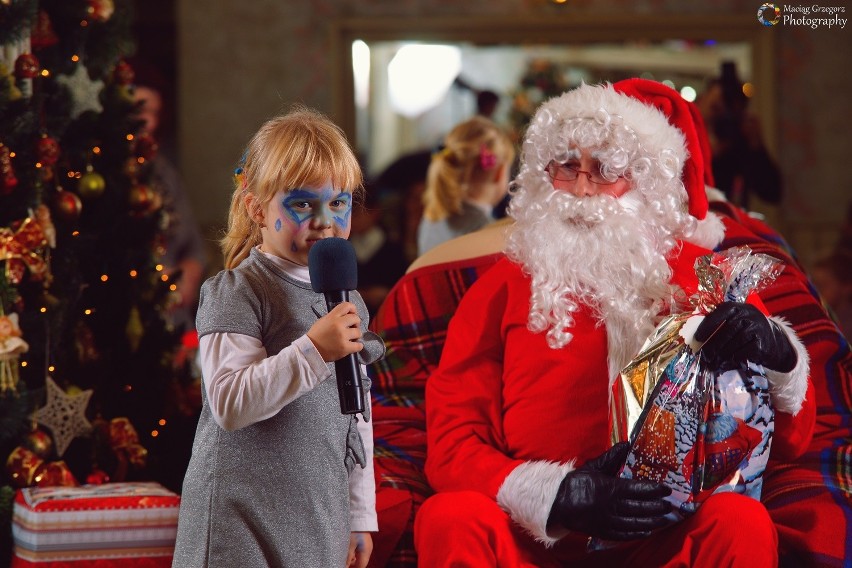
(275, 493)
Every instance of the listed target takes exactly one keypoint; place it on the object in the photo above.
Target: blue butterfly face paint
(299, 217)
(322, 206)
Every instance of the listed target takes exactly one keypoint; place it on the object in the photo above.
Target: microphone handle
(347, 370)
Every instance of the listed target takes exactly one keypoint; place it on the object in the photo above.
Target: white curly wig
(604, 253)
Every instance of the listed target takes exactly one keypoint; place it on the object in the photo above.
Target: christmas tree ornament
(47, 150)
(134, 329)
(7, 172)
(84, 342)
(142, 200)
(42, 34)
(83, 90)
(39, 442)
(99, 10)
(64, 415)
(55, 474)
(124, 440)
(21, 247)
(11, 347)
(42, 215)
(26, 66)
(91, 184)
(123, 73)
(22, 465)
(97, 477)
(7, 84)
(67, 206)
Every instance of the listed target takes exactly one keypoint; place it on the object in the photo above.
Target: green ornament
(91, 185)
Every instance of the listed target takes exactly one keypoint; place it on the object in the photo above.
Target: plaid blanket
(809, 499)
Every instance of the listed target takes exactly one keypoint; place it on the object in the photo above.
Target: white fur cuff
(527, 495)
(788, 389)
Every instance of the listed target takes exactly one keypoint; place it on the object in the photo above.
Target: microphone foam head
(332, 265)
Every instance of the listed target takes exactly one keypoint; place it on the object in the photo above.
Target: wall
(242, 62)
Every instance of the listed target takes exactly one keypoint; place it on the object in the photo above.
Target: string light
(173, 288)
(162, 422)
(104, 277)
(51, 368)
(88, 311)
(164, 277)
(45, 73)
(96, 150)
(75, 58)
(129, 137)
(133, 274)
(24, 363)
(43, 309)
(154, 433)
(158, 268)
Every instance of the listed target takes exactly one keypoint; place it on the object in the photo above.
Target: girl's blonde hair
(472, 150)
(299, 149)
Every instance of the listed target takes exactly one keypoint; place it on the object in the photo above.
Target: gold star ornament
(64, 414)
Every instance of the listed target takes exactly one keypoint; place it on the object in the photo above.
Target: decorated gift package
(698, 430)
(133, 523)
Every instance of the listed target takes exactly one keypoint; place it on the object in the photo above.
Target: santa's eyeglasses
(568, 172)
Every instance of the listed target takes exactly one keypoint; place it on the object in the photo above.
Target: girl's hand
(360, 549)
(335, 334)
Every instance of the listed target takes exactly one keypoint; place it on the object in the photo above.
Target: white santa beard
(601, 252)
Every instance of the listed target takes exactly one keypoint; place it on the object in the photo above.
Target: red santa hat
(686, 117)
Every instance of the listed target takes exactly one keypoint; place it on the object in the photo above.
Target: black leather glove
(744, 334)
(592, 500)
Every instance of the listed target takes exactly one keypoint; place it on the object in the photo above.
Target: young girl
(465, 181)
(279, 477)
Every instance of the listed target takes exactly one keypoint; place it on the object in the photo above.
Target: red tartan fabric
(809, 498)
(413, 323)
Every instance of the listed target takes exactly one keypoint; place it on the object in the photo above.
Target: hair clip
(487, 159)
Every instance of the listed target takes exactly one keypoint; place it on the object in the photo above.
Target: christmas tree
(92, 370)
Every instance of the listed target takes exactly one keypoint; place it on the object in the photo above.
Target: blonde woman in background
(465, 181)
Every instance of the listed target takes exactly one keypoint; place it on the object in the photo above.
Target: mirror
(524, 61)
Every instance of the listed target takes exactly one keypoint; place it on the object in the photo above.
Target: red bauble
(123, 73)
(26, 66)
(40, 443)
(100, 10)
(67, 206)
(97, 477)
(47, 150)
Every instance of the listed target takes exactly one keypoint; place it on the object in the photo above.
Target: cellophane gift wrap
(698, 430)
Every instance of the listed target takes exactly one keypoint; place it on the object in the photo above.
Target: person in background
(610, 214)
(486, 103)
(381, 260)
(742, 165)
(185, 256)
(279, 476)
(467, 178)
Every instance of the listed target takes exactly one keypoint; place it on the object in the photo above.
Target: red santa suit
(508, 415)
(502, 401)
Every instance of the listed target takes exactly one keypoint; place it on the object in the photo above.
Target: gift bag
(697, 430)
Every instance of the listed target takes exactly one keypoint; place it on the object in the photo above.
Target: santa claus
(610, 215)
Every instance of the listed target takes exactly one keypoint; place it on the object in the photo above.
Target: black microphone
(334, 272)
